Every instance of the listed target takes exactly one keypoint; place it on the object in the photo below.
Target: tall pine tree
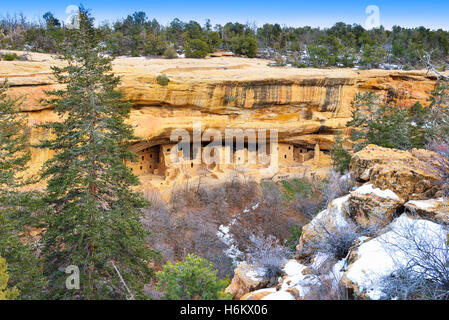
(17, 207)
(94, 217)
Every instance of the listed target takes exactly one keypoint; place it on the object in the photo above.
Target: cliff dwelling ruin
(170, 161)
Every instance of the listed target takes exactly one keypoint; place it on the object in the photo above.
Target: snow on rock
(368, 189)
(381, 256)
(373, 206)
(434, 209)
(247, 278)
(299, 279)
(258, 294)
(256, 274)
(335, 216)
(280, 295)
(296, 278)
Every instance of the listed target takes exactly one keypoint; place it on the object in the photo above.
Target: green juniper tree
(339, 155)
(438, 126)
(387, 126)
(194, 278)
(94, 216)
(17, 207)
(5, 292)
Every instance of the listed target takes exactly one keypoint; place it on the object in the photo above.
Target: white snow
(381, 256)
(226, 237)
(293, 267)
(256, 274)
(280, 295)
(425, 204)
(337, 271)
(232, 251)
(422, 204)
(333, 211)
(368, 188)
(296, 279)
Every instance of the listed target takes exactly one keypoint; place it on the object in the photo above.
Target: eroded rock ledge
(306, 106)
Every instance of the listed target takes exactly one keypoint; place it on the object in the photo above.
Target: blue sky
(322, 13)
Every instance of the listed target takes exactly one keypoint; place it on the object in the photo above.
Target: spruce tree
(94, 216)
(17, 207)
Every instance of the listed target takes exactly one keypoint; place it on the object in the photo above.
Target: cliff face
(306, 106)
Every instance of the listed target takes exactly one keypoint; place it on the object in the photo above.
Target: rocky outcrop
(306, 106)
(400, 245)
(432, 209)
(393, 234)
(371, 206)
(409, 174)
(327, 221)
(246, 278)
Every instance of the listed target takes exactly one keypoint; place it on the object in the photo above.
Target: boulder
(374, 259)
(258, 294)
(433, 209)
(335, 216)
(370, 206)
(246, 278)
(410, 174)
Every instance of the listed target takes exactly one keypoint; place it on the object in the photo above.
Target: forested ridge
(342, 45)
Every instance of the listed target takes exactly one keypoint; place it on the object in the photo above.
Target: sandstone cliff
(306, 106)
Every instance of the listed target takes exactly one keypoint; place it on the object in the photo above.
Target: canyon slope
(307, 106)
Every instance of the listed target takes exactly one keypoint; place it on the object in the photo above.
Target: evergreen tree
(5, 293)
(339, 155)
(387, 126)
(192, 279)
(94, 216)
(17, 208)
(438, 126)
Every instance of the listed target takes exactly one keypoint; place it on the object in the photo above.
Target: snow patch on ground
(296, 279)
(226, 237)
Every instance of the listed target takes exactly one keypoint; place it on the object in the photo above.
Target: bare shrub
(311, 201)
(269, 214)
(337, 185)
(421, 255)
(190, 223)
(335, 242)
(266, 252)
(327, 288)
(441, 147)
(238, 190)
(322, 193)
(309, 207)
